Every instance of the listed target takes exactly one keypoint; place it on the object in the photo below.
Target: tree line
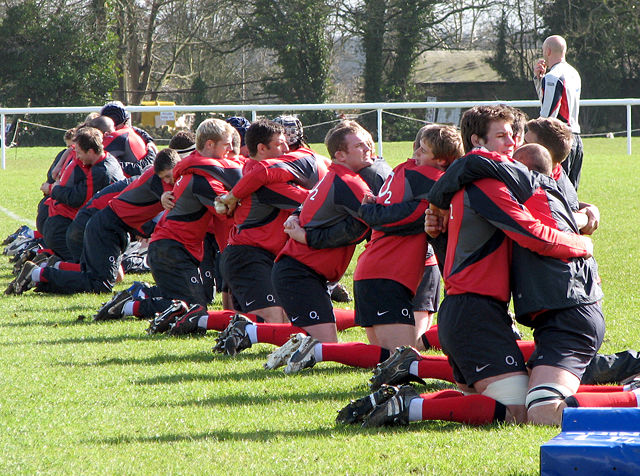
(84, 52)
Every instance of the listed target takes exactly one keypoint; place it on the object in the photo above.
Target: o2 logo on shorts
(270, 298)
(314, 315)
(405, 312)
(112, 259)
(194, 279)
(509, 360)
(207, 274)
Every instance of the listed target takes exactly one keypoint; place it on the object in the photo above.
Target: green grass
(85, 398)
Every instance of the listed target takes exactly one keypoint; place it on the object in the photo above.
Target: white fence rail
(257, 108)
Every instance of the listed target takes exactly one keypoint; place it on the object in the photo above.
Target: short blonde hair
(211, 129)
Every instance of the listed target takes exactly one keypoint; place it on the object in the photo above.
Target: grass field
(86, 398)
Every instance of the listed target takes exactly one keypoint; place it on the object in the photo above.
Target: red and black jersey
(101, 199)
(130, 150)
(538, 282)
(336, 197)
(350, 229)
(259, 218)
(485, 215)
(566, 187)
(59, 156)
(220, 227)
(398, 242)
(140, 201)
(301, 166)
(79, 182)
(375, 174)
(200, 181)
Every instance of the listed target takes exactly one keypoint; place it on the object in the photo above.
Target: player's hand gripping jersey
(398, 242)
(335, 198)
(538, 282)
(260, 216)
(478, 260)
(199, 180)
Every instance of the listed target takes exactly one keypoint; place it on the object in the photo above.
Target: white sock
(202, 322)
(415, 409)
(252, 332)
(35, 275)
(317, 352)
(413, 369)
(127, 309)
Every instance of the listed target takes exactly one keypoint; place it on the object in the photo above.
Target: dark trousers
(55, 236)
(75, 232)
(42, 215)
(607, 369)
(573, 163)
(105, 239)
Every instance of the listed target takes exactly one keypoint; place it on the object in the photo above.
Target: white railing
(255, 108)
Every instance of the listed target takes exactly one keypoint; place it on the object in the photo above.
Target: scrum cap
(292, 129)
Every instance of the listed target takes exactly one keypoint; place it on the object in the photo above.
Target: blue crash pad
(594, 441)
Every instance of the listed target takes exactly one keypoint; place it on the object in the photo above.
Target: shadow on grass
(269, 435)
(31, 323)
(222, 435)
(155, 360)
(70, 321)
(249, 375)
(96, 339)
(47, 305)
(269, 399)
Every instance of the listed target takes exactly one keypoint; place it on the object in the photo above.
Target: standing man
(558, 85)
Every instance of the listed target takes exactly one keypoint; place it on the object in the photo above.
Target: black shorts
(475, 332)
(302, 292)
(427, 296)
(568, 338)
(382, 301)
(176, 272)
(247, 272)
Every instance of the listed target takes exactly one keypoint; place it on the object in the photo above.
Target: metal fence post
(379, 132)
(3, 124)
(628, 129)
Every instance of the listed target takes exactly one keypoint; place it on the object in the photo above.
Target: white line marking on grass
(18, 218)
